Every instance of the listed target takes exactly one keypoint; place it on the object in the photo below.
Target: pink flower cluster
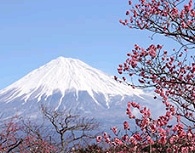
(164, 17)
(171, 76)
(153, 134)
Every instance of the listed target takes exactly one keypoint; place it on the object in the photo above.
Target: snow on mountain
(68, 84)
(66, 74)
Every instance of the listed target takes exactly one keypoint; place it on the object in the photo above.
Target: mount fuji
(66, 83)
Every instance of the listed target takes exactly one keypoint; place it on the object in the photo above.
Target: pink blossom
(126, 125)
(150, 141)
(137, 137)
(98, 139)
(133, 141)
(118, 141)
(114, 130)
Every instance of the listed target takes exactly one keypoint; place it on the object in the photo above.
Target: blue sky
(33, 32)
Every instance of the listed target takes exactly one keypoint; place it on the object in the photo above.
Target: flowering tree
(62, 132)
(9, 138)
(170, 73)
(15, 137)
(36, 138)
(167, 17)
(153, 135)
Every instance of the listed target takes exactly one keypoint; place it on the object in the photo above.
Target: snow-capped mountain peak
(69, 84)
(66, 83)
(65, 74)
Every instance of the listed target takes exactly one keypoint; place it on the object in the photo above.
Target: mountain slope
(66, 83)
